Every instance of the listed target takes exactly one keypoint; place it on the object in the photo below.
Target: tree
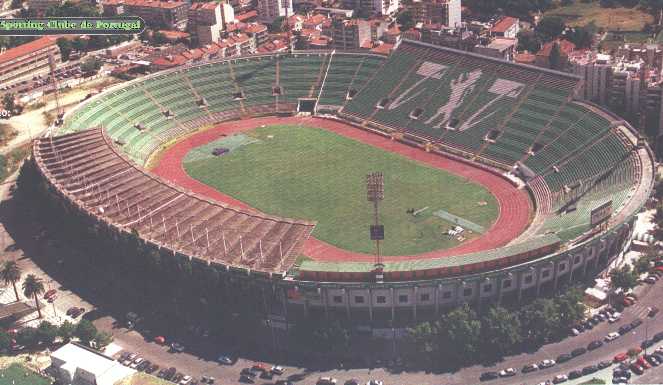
(421, 337)
(33, 287)
(623, 278)
(79, 44)
(540, 320)
(71, 9)
(27, 337)
(85, 331)
(65, 47)
(158, 38)
(8, 102)
(67, 331)
(528, 41)
(550, 27)
(642, 264)
(90, 66)
(11, 274)
(16, 4)
(459, 335)
(47, 332)
(405, 20)
(555, 57)
(5, 341)
(500, 332)
(103, 339)
(570, 308)
(277, 25)
(582, 37)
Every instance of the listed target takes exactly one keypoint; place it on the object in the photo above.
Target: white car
(614, 317)
(546, 364)
(277, 370)
(225, 360)
(327, 381)
(611, 337)
(136, 362)
(508, 372)
(560, 378)
(185, 380)
(374, 382)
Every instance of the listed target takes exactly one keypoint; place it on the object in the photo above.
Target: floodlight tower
(58, 107)
(375, 194)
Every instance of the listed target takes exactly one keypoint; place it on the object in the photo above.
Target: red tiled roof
(272, 46)
(368, 44)
(147, 3)
(524, 58)
(174, 35)
(315, 19)
(383, 48)
(565, 48)
(207, 6)
(27, 48)
(504, 23)
(246, 16)
(322, 41)
(254, 28)
(170, 61)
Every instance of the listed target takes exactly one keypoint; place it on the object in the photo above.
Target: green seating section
(300, 75)
(347, 72)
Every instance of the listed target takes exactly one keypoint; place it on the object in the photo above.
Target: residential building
(442, 35)
(256, 31)
(445, 12)
(507, 27)
(372, 7)
(208, 20)
(161, 14)
(596, 70)
(28, 60)
(565, 48)
(500, 48)
(349, 34)
(268, 10)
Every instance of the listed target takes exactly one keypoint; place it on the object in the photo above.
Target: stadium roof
(426, 264)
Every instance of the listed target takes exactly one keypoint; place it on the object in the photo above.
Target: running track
(514, 204)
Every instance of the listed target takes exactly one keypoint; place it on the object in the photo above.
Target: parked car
(652, 359)
(152, 368)
(578, 352)
(530, 368)
(589, 369)
(160, 340)
(614, 317)
(177, 347)
(646, 343)
(143, 366)
(653, 311)
(225, 360)
(136, 362)
(508, 372)
(637, 369)
(50, 293)
(563, 358)
(611, 336)
(277, 370)
(558, 379)
(186, 380)
(248, 372)
(246, 379)
(374, 382)
(625, 329)
(636, 322)
(546, 364)
(575, 374)
(594, 345)
(642, 362)
(260, 367)
(604, 364)
(485, 376)
(177, 378)
(326, 381)
(286, 382)
(620, 357)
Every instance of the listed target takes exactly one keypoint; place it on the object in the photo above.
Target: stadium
(498, 183)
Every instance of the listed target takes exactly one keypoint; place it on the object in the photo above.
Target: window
(277, 90)
(416, 113)
(238, 95)
(424, 297)
(562, 266)
(351, 94)
(529, 279)
(488, 288)
(446, 295)
(383, 103)
(577, 260)
(381, 299)
(338, 299)
(359, 299)
(402, 298)
(545, 273)
(506, 284)
(467, 292)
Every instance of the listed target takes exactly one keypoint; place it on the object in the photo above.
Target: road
(35, 254)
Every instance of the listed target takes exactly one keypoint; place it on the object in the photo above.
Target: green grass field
(309, 173)
(579, 14)
(16, 374)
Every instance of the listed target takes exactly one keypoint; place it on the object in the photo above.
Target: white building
(268, 10)
(445, 12)
(76, 365)
(596, 70)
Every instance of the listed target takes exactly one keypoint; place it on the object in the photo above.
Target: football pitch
(309, 173)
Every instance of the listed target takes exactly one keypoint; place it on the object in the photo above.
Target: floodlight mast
(375, 194)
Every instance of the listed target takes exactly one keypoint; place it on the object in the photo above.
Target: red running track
(514, 204)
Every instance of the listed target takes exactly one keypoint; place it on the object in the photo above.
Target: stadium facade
(587, 172)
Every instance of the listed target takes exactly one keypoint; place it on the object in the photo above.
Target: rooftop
(504, 23)
(27, 48)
